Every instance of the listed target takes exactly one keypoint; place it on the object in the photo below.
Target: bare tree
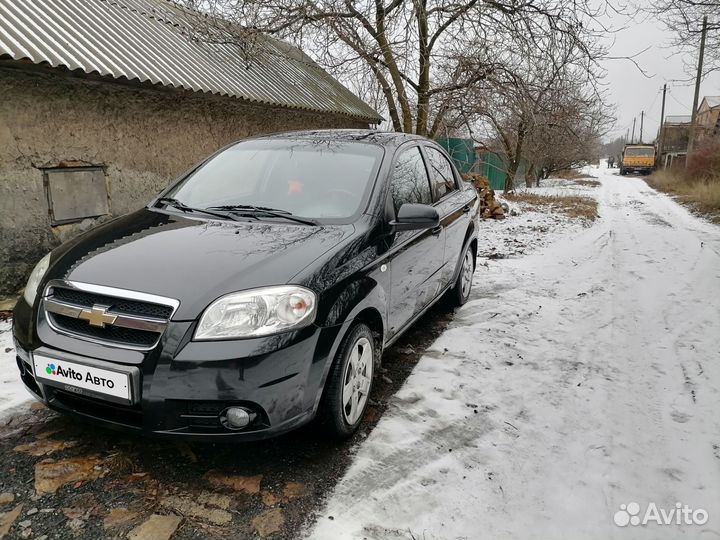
(684, 19)
(421, 56)
(545, 110)
(568, 132)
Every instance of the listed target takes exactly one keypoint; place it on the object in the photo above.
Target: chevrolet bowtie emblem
(97, 316)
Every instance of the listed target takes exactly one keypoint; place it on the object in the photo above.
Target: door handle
(436, 230)
(466, 209)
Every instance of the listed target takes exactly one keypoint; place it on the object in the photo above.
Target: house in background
(708, 119)
(104, 103)
(672, 140)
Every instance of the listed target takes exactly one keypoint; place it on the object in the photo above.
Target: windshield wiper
(170, 201)
(274, 212)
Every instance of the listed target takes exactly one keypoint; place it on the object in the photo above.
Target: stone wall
(142, 137)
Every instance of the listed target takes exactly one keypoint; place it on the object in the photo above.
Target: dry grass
(571, 174)
(702, 195)
(587, 183)
(571, 206)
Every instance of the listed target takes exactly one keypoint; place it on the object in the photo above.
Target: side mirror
(415, 217)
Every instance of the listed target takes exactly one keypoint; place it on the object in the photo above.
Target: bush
(705, 162)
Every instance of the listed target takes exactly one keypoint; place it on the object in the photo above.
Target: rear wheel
(349, 383)
(463, 284)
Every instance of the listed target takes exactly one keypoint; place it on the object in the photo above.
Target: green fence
(494, 167)
(489, 164)
(462, 151)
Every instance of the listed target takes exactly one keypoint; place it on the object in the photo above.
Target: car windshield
(308, 178)
(640, 152)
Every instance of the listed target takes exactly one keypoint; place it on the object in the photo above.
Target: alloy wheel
(467, 273)
(356, 380)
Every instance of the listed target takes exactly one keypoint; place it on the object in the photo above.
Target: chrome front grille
(117, 317)
(119, 305)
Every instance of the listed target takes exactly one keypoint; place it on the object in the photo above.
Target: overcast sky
(633, 92)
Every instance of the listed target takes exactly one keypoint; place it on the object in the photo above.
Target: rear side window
(441, 175)
(409, 182)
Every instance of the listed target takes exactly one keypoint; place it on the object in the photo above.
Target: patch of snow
(13, 394)
(531, 229)
(577, 379)
(522, 234)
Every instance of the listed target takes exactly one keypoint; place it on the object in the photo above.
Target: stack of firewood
(489, 207)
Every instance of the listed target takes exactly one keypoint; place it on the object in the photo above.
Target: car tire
(463, 283)
(349, 384)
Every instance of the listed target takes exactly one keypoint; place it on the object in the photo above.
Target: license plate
(79, 378)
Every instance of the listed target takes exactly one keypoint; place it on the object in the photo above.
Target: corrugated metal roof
(151, 41)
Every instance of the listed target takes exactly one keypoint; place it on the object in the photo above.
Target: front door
(417, 256)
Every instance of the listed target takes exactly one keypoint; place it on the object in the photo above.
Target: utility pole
(661, 139)
(633, 135)
(642, 119)
(691, 138)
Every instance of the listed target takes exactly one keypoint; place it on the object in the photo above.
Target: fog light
(237, 417)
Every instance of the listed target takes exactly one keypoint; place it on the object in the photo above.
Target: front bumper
(643, 169)
(185, 385)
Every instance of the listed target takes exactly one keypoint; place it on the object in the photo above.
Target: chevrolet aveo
(255, 293)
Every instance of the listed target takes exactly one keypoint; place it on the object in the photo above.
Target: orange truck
(638, 158)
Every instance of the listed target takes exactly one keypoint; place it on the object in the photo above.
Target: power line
(653, 102)
(677, 101)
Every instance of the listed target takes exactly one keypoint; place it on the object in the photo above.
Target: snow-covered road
(577, 379)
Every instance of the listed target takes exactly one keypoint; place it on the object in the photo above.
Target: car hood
(192, 260)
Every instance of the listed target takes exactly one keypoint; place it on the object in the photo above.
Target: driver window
(409, 182)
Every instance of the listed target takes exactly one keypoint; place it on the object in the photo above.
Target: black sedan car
(255, 293)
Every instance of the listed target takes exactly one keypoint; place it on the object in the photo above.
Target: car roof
(383, 138)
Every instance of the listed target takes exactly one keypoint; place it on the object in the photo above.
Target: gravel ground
(64, 479)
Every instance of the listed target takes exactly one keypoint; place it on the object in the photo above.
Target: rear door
(453, 204)
(416, 256)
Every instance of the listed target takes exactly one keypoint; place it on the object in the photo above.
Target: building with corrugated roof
(106, 101)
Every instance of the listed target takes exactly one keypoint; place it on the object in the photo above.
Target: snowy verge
(532, 228)
(13, 394)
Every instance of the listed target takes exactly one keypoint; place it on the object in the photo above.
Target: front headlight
(36, 276)
(257, 312)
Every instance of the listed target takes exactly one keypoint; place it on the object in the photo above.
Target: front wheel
(463, 284)
(349, 383)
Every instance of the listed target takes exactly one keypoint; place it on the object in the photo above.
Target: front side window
(441, 175)
(409, 182)
(309, 178)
